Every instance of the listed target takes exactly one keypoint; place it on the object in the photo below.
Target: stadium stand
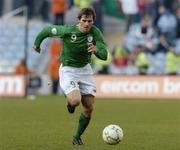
(12, 46)
(143, 32)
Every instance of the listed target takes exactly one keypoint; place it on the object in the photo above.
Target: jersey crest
(90, 38)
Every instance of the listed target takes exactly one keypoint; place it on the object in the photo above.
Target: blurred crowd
(151, 43)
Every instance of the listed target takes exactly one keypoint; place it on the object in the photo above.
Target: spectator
(58, 9)
(40, 8)
(21, 68)
(163, 45)
(33, 81)
(119, 56)
(55, 48)
(70, 4)
(142, 8)
(176, 4)
(161, 10)
(152, 7)
(142, 63)
(54, 73)
(119, 60)
(168, 4)
(167, 25)
(130, 8)
(97, 5)
(139, 59)
(30, 5)
(83, 3)
(178, 22)
(173, 61)
(1, 7)
(55, 52)
(141, 33)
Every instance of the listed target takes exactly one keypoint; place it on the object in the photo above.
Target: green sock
(82, 125)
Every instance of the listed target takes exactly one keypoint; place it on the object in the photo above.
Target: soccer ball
(112, 134)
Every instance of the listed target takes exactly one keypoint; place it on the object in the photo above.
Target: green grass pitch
(44, 124)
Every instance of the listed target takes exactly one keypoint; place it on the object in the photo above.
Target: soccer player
(80, 41)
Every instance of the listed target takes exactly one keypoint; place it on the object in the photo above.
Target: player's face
(85, 23)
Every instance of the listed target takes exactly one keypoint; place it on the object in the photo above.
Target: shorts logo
(73, 84)
(73, 37)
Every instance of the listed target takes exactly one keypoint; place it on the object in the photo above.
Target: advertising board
(12, 85)
(138, 86)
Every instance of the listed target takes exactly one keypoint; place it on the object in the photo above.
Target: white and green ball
(112, 134)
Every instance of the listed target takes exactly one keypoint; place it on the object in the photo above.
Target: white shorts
(82, 79)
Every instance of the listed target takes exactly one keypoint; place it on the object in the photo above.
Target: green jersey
(75, 43)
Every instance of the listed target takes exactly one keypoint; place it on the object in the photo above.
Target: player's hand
(37, 49)
(91, 48)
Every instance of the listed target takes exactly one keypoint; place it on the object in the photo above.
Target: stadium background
(138, 45)
(137, 87)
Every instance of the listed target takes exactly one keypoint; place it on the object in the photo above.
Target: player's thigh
(87, 85)
(70, 87)
(68, 82)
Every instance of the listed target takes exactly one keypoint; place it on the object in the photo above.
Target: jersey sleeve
(101, 52)
(50, 31)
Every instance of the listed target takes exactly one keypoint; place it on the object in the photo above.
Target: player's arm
(49, 31)
(101, 48)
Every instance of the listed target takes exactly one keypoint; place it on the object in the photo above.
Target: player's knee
(75, 102)
(88, 112)
(74, 98)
